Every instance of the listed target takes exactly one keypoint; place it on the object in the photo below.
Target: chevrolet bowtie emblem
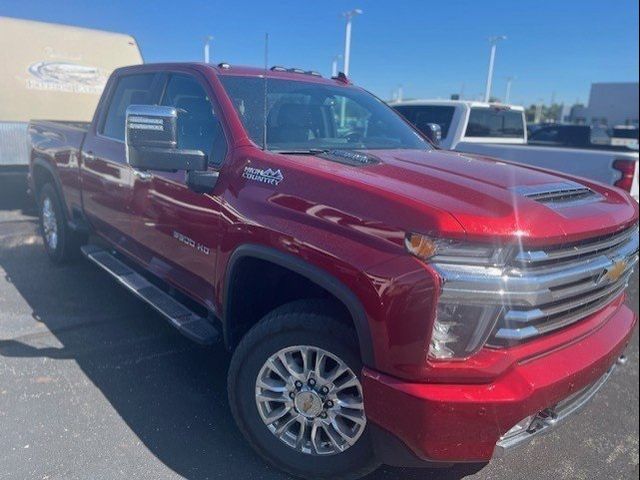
(614, 272)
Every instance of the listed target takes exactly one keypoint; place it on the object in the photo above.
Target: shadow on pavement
(13, 195)
(170, 392)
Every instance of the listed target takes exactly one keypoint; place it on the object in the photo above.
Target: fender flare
(313, 274)
(40, 162)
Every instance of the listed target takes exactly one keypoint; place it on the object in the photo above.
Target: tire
(60, 242)
(313, 326)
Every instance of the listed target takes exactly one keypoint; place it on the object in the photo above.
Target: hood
(485, 196)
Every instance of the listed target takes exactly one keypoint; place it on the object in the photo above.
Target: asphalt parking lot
(95, 385)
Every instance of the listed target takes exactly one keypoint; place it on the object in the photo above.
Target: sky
(433, 48)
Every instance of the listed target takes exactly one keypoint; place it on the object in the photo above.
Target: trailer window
(495, 123)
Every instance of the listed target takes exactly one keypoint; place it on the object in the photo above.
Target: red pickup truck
(385, 301)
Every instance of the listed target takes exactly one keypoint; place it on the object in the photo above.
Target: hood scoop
(350, 157)
(556, 195)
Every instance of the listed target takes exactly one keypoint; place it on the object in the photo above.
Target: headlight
(460, 328)
(443, 250)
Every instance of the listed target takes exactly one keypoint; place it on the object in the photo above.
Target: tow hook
(622, 360)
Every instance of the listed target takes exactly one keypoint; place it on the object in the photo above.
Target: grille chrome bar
(530, 257)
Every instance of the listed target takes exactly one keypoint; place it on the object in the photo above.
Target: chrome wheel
(49, 223)
(311, 400)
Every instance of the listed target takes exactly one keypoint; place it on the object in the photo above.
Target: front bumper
(548, 419)
(465, 422)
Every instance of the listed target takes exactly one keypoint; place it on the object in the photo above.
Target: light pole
(207, 41)
(507, 94)
(334, 65)
(494, 43)
(347, 54)
(347, 37)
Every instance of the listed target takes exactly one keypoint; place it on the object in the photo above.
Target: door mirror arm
(202, 182)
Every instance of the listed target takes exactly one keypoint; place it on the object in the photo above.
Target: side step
(186, 321)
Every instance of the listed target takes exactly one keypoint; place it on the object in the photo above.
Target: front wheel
(295, 392)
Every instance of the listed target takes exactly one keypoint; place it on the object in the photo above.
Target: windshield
(305, 116)
(495, 123)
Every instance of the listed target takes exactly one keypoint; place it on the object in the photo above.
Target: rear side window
(496, 123)
(130, 90)
(546, 135)
(631, 133)
(421, 116)
(199, 128)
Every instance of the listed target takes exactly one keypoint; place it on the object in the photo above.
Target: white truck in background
(499, 130)
(51, 71)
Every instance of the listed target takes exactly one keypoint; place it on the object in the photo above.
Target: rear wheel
(295, 392)
(61, 243)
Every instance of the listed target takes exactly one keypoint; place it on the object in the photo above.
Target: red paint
(350, 222)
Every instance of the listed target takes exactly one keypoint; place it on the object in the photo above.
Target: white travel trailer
(51, 71)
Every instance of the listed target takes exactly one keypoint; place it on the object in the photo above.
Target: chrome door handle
(142, 175)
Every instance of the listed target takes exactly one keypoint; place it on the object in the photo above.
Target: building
(613, 104)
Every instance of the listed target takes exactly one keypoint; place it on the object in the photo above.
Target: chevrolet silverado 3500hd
(385, 302)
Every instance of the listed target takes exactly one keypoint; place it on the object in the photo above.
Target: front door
(178, 227)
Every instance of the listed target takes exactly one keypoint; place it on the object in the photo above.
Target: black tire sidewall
(358, 457)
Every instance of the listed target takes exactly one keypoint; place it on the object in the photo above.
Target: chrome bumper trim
(548, 419)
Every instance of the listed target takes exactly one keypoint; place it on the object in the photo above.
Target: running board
(190, 324)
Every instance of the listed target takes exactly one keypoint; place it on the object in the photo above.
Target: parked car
(51, 71)
(499, 130)
(385, 301)
(625, 136)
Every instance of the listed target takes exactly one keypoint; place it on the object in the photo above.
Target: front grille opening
(554, 323)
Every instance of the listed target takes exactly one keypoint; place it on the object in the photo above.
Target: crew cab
(499, 130)
(385, 301)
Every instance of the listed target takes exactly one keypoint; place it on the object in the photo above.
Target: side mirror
(151, 138)
(433, 132)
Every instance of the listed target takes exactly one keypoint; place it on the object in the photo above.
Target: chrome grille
(540, 291)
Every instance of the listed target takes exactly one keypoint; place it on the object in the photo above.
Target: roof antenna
(266, 68)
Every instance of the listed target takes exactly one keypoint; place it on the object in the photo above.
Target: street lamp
(334, 65)
(507, 94)
(347, 53)
(347, 37)
(494, 42)
(207, 41)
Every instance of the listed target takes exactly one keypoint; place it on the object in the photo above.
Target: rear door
(107, 180)
(178, 227)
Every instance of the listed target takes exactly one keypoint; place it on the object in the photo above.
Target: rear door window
(130, 90)
(495, 123)
(422, 116)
